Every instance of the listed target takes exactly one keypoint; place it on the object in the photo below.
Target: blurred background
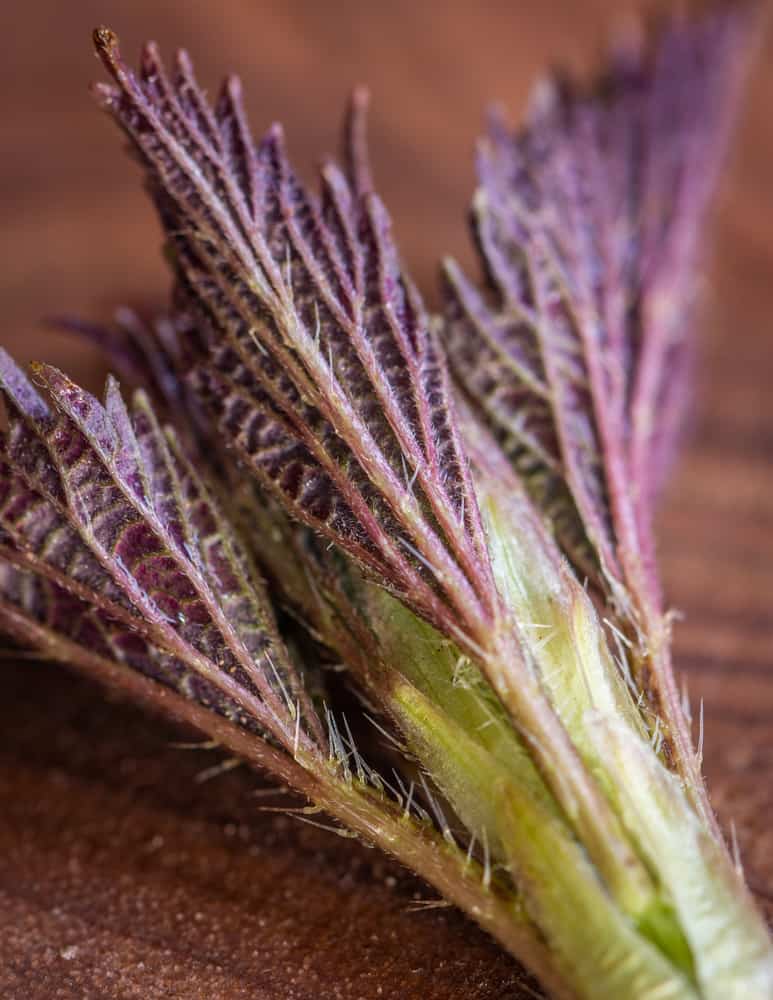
(86, 791)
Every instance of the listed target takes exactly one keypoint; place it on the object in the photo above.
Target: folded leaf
(320, 366)
(588, 222)
(104, 506)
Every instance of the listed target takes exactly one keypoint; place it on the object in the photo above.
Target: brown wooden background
(120, 875)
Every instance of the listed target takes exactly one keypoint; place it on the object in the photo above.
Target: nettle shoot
(455, 510)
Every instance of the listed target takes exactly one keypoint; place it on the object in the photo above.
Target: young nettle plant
(456, 508)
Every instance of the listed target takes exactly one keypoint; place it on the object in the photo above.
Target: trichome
(456, 508)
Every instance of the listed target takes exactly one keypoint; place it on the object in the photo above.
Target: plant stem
(600, 951)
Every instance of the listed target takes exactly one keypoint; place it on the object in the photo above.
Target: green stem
(702, 917)
(599, 950)
(727, 936)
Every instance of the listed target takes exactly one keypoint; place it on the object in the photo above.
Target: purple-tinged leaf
(321, 366)
(104, 505)
(588, 222)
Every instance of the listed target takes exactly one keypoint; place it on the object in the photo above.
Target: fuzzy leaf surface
(102, 513)
(589, 222)
(320, 364)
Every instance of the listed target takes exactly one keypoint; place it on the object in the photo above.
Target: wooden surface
(121, 875)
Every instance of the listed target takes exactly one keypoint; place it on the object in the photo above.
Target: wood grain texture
(121, 875)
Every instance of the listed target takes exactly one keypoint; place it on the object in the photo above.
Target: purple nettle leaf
(588, 223)
(319, 436)
(320, 365)
(111, 537)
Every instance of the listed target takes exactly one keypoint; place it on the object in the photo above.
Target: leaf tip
(274, 138)
(107, 49)
(360, 98)
(105, 40)
(183, 61)
(356, 140)
(233, 87)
